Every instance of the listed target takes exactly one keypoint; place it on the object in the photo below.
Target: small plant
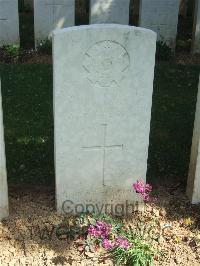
(126, 247)
(138, 253)
(11, 51)
(45, 47)
(103, 233)
(163, 51)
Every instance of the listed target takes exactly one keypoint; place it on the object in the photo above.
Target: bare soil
(29, 236)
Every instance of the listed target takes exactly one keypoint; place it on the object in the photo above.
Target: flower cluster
(108, 244)
(143, 189)
(122, 242)
(103, 230)
(118, 242)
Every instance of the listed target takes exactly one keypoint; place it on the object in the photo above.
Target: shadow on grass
(173, 109)
(28, 119)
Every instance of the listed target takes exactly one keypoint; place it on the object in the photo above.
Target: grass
(28, 117)
(174, 100)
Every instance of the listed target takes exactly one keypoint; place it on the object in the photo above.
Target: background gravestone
(196, 28)
(52, 14)
(9, 22)
(3, 176)
(103, 82)
(109, 11)
(193, 186)
(160, 16)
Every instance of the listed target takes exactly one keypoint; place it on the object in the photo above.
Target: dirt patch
(187, 59)
(24, 56)
(29, 236)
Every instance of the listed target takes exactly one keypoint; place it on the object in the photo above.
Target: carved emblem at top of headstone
(105, 63)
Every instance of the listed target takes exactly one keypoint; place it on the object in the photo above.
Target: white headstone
(109, 11)
(50, 15)
(193, 186)
(103, 82)
(196, 28)
(9, 22)
(3, 176)
(161, 16)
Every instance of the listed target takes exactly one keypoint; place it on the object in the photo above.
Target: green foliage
(139, 254)
(28, 119)
(87, 219)
(11, 51)
(45, 47)
(163, 51)
(173, 109)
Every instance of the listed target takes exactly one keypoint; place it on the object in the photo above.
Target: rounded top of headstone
(105, 26)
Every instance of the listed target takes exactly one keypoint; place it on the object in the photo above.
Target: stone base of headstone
(105, 200)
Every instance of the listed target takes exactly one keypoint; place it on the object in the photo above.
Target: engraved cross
(3, 19)
(104, 147)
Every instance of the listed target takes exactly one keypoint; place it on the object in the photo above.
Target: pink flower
(118, 242)
(122, 242)
(139, 187)
(101, 229)
(143, 189)
(148, 188)
(93, 231)
(107, 244)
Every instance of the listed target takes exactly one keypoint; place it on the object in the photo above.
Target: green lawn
(174, 100)
(28, 116)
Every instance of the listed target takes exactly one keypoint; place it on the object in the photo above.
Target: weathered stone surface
(9, 22)
(161, 16)
(196, 28)
(103, 82)
(3, 176)
(193, 186)
(109, 11)
(52, 14)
